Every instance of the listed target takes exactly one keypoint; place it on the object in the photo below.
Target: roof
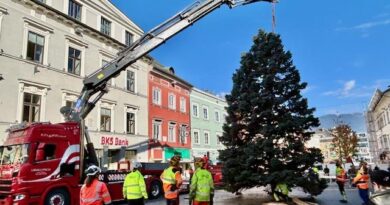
(377, 98)
(83, 24)
(160, 69)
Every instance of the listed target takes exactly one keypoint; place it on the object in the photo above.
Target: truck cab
(39, 163)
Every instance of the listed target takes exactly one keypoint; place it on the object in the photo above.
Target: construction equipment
(29, 178)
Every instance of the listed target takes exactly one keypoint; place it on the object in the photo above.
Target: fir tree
(268, 122)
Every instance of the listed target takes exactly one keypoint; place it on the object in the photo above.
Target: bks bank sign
(109, 140)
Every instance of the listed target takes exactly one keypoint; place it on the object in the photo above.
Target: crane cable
(273, 16)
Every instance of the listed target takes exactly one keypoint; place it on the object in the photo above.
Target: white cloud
(349, 90)
(366, 26)
(349, 85)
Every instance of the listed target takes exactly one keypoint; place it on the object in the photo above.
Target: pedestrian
(340, 180)
(381, 185)
(361, 181)
(326, 170)
(376, 168)
(351, 173)
(202, 185)
(93, 191)
(171, 178)
(134, 189)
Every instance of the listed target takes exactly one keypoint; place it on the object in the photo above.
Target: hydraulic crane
(96, 83)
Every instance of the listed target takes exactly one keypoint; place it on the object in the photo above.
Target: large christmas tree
(268, 122)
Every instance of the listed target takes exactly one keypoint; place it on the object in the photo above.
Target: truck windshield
(14, 154)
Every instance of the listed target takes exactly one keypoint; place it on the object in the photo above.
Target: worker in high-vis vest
(281, 192)
(361, 181)
(134, 189)
(202, 185)
(93, 191)
(341, 178)
(171, 178)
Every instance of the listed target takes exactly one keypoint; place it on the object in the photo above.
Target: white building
(49, 46)
(363, 148)
(378, 125)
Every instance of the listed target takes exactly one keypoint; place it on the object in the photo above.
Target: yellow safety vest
(202, 185)
(134, 186)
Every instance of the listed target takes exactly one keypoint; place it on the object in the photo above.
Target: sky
(341, 48)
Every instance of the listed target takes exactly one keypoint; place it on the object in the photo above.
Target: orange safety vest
(96, 194)
(171, 179)
(361, 181)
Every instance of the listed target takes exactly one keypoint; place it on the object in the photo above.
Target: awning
(170, 152)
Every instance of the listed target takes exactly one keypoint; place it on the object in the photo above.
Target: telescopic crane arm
(96, 82)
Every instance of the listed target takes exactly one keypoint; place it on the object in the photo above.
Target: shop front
(184, 153)
(112, 148)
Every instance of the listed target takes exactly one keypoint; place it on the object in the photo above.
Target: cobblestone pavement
(258, 196)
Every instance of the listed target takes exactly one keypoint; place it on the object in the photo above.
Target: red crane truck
(44, 163)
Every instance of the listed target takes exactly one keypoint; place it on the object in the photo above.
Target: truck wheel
(57, 197)
(155, 190)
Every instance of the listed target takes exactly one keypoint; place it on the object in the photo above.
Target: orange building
(169, 115)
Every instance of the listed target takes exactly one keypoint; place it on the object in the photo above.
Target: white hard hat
(135, 165)
(92, 170)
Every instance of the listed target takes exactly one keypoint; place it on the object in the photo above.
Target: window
(182, 104)
(31, 107)
(130, 81)
(105, 120)
(172, 101)
(157, 129)
(195, 110)
(196, 137)
(157, 96)
(74, 10)
(217, 116)
(50, 150)
(74, 61)
(183, 134)
(130, 126)
(129, 38)
(70, 103)
(205, 113)
(35, 47)
(206, 138)
(171, 132)
(105, 26)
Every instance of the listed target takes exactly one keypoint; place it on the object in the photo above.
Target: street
(330, 196)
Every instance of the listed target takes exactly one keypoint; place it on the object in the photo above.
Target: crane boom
(97, 81)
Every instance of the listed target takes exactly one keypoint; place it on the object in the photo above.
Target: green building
(207, 118)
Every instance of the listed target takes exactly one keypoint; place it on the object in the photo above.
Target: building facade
(207, 118)
(326, 145)
(363, 148)
(49, 46)
(169, 115)
(378, 125)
